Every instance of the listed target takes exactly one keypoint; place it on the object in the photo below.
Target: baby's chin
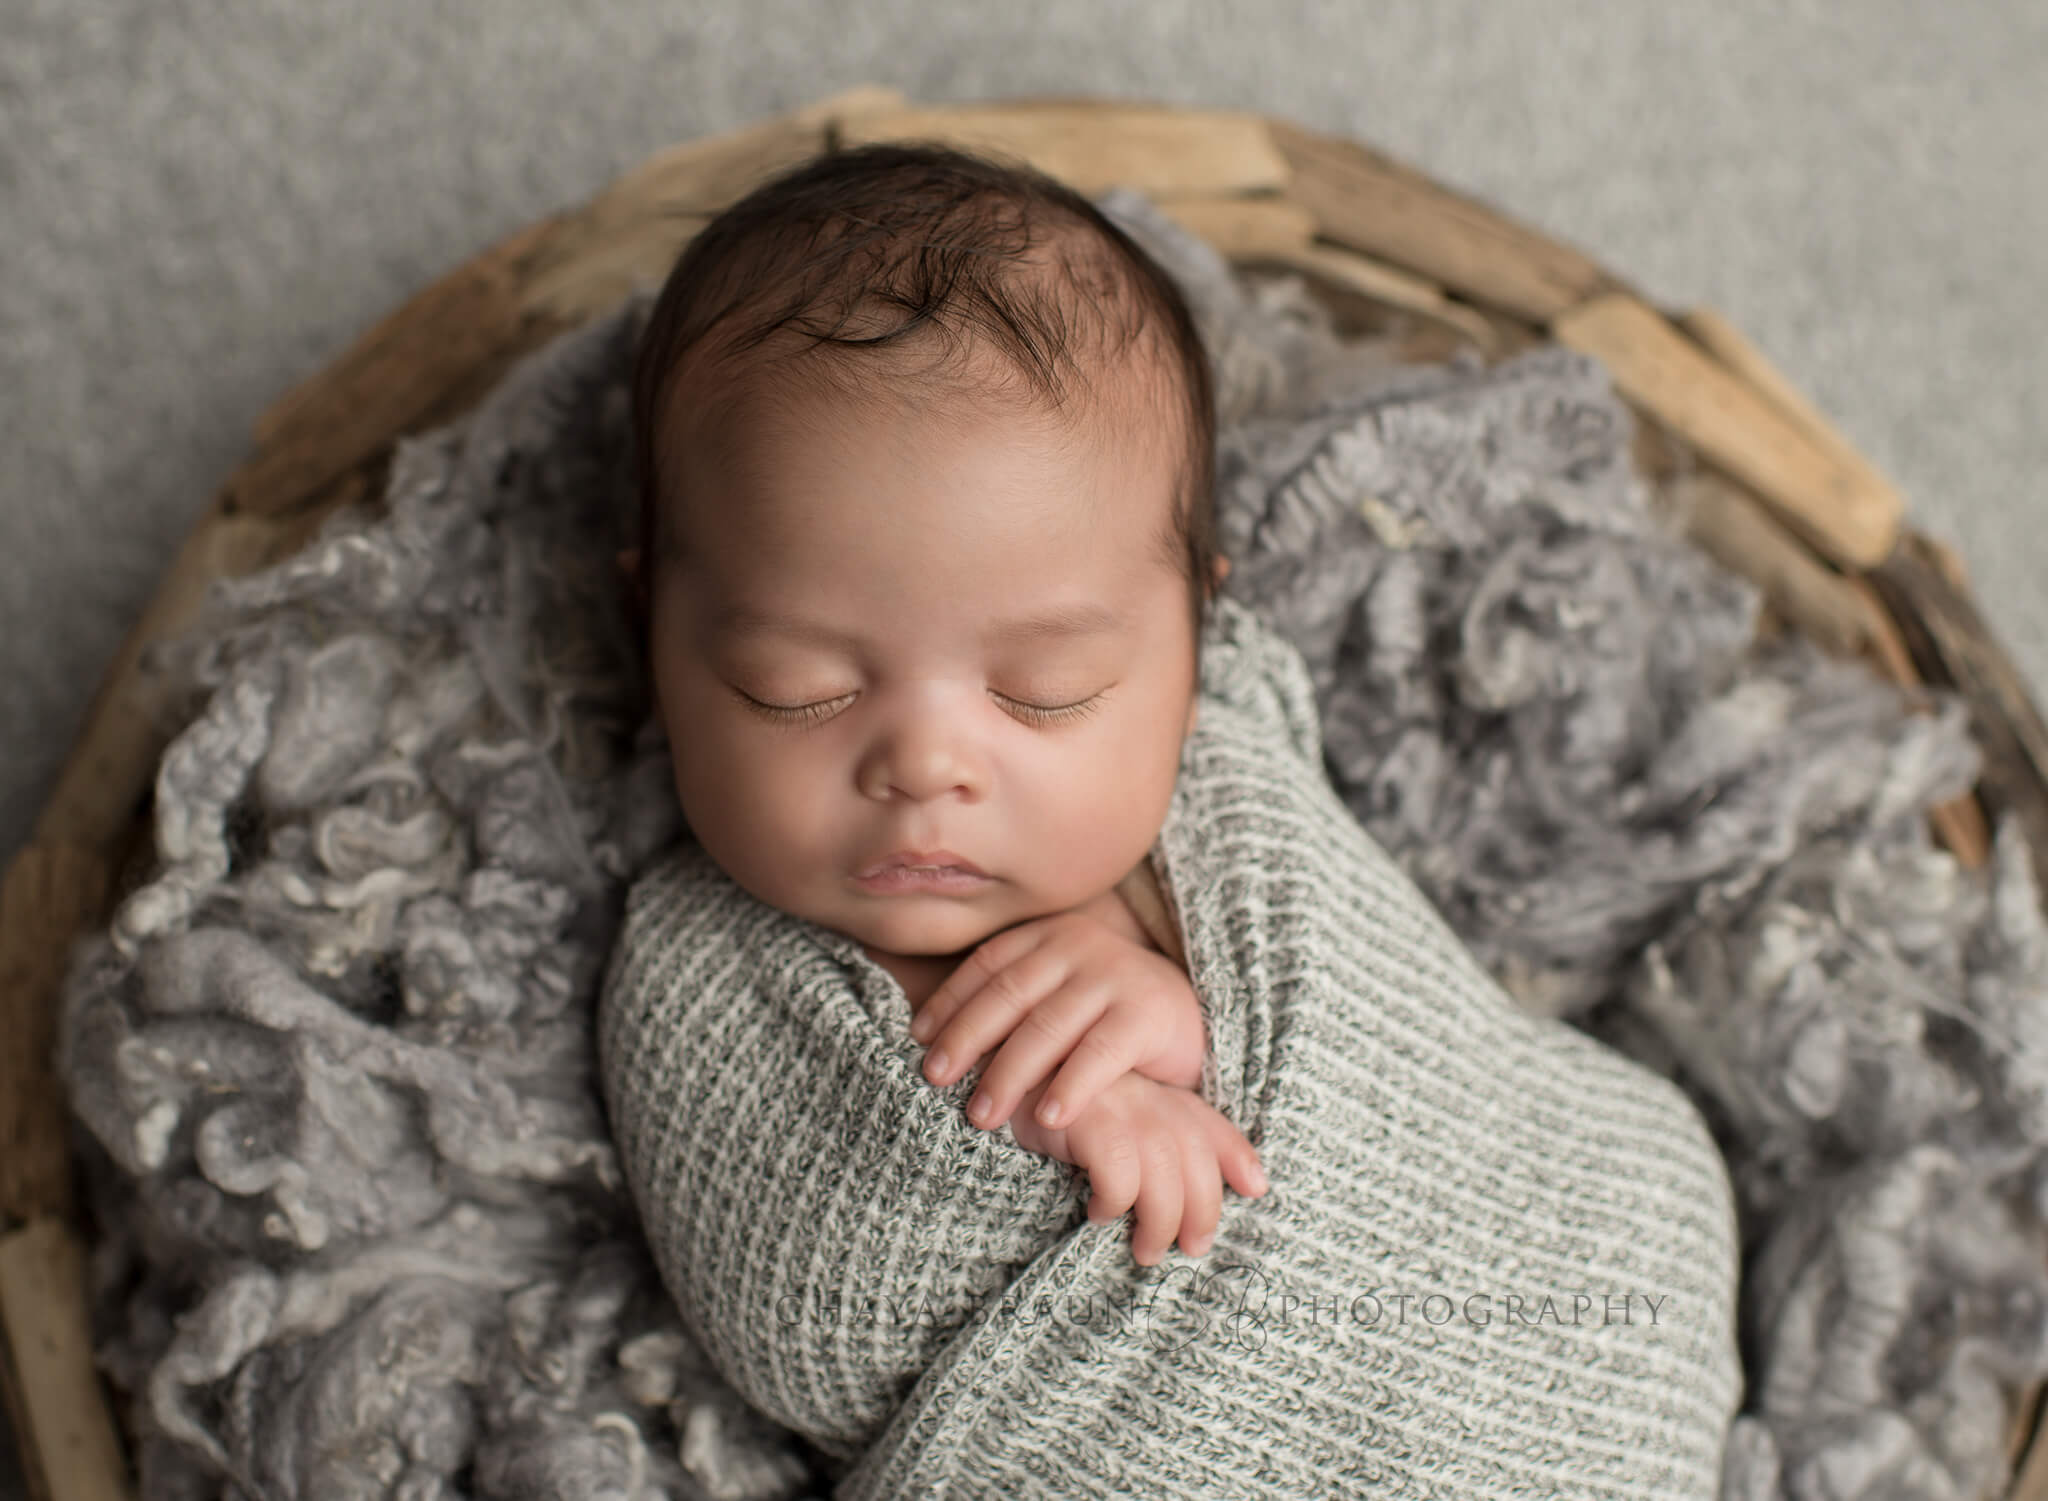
(920, 925)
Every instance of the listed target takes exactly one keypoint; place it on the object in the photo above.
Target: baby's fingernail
(1198, 1246)
(1049, 1112)
(935, 1063)
(1259, 1183)
(981, 1106)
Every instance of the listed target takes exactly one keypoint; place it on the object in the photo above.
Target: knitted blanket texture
(364, 1223)
(1498, 1257)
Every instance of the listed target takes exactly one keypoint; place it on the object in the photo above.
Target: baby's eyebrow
(736, 619)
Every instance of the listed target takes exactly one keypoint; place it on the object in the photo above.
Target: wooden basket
(1767, 485)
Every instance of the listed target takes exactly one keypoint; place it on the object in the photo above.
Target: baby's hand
(1160, 1146)
(1069, 993)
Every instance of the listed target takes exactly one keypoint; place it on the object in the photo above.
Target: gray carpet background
(202, 203)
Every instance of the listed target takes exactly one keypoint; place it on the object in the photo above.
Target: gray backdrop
(200, 204)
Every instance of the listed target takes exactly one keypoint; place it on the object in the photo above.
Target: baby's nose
(922, 760)
(919, 783)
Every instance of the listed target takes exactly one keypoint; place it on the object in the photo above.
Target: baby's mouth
(939, 871)
(928, 862)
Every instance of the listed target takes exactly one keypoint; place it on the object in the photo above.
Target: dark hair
(950, 240)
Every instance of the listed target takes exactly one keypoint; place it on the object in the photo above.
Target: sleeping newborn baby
(1015, 901)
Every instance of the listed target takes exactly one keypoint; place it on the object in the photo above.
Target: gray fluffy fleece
(360, 1229)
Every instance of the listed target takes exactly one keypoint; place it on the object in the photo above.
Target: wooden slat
(1963, 830)
(1738, 353)
(703, 176)
(605, 272)
(1243, 228)
(1740, 534)
(1391, 287)
(1381, 208)
(2019, 1438)
(629, 235)
(1832, 505)
(51, 894)
(1733, 348)
(1158, 150)
(1840, 614)
(62, 1424)
(1959, 823)
(1953, 647)
(1946, 560)
(2030, 1483)
(1276, 231)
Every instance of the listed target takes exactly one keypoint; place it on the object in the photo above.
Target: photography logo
(1238, 1303)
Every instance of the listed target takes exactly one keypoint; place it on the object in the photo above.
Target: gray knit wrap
(927, 1298)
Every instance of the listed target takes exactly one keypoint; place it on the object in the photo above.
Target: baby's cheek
(757, 806)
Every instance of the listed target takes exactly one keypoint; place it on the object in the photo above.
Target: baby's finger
(970, 975)
(991, 1013)
(1110, 1153)
(1237, 1157)
(1053, 1029)
(1201, 1199)
(1101, 1055)
(1159, 1197)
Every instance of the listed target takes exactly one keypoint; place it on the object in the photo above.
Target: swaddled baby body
(927, 573)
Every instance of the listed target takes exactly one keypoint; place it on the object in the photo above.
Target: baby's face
(928, 628)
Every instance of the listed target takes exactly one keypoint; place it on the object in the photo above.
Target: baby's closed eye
(818, 710)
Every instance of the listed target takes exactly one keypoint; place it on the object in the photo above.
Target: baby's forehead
(1088, 384)
(1124, 401)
